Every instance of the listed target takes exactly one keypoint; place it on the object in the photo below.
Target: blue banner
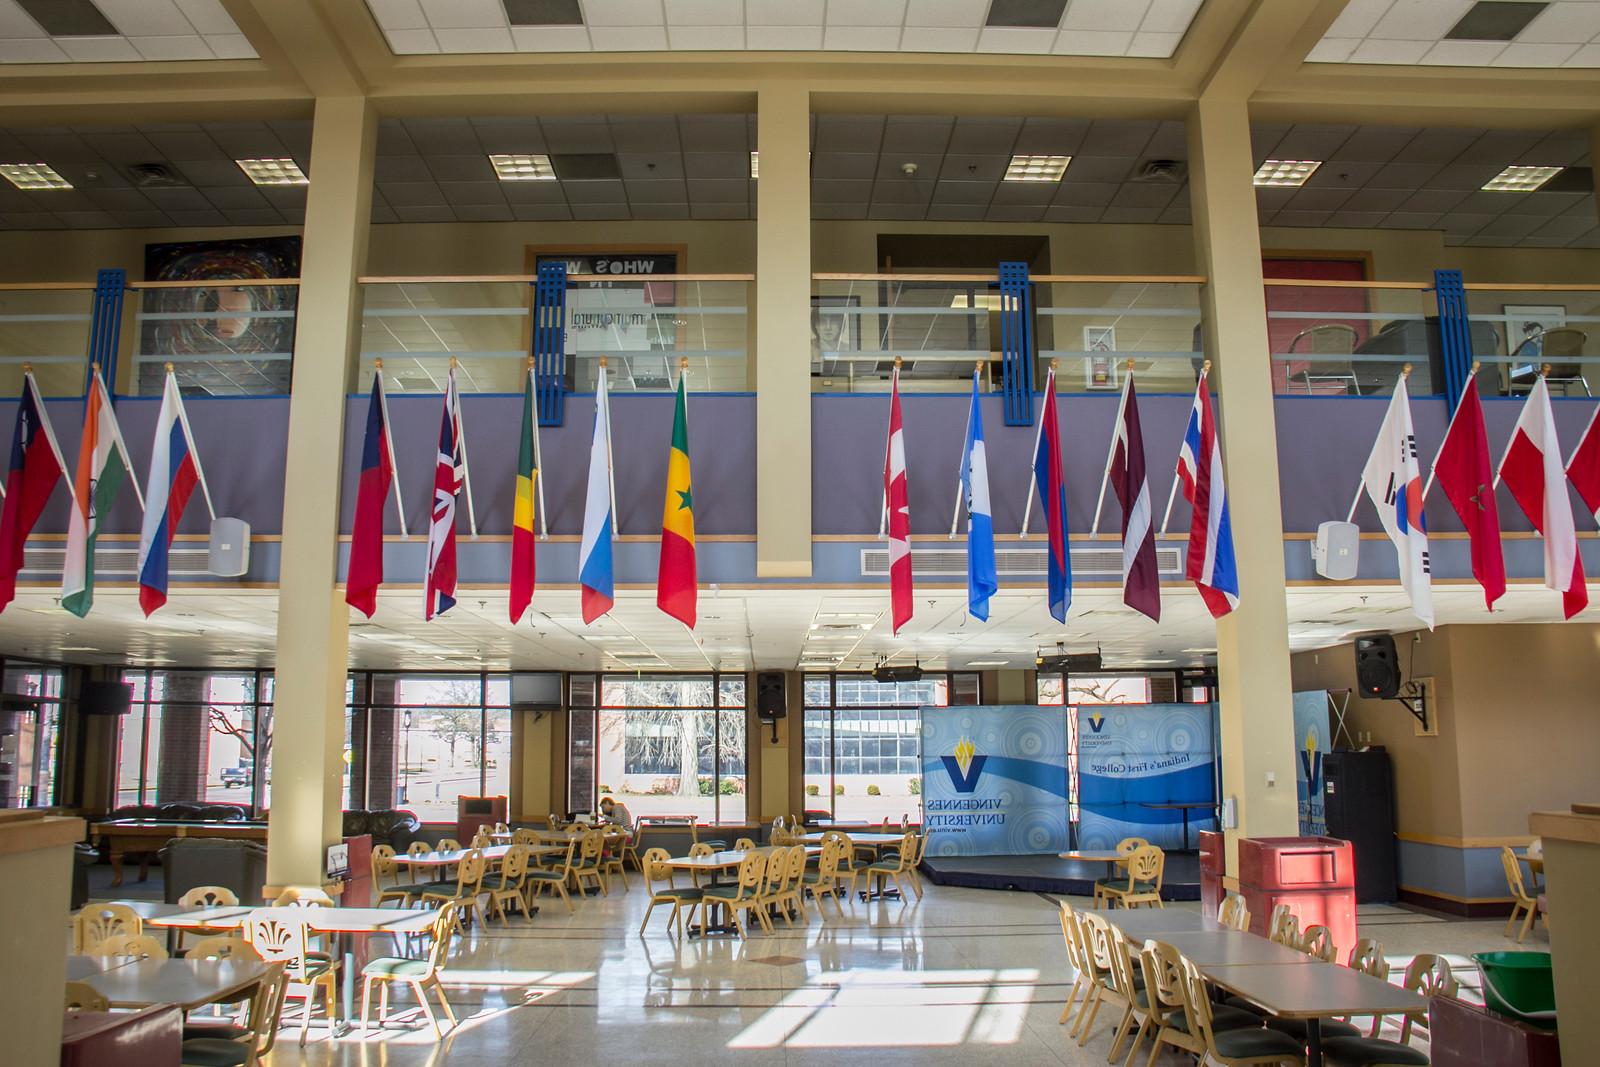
(1136, 763)
(994, 780)
(1312, 739)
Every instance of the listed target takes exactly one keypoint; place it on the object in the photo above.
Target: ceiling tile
(541, 212)
(705, 38)
(98, 49)
(464, 14)
(700, 210)
(551, 39)
(861, 39)
(1016, 40)
(848, 133)
(1534, 55)
(661, 211)
(569, 135)
(715, 133)
(717, 164)
(1100, 168)
(212, 171)
(838, 191)
(963, 192)
(919, 39)
(484, 192)
(483, 212)
(705, 12)
(628, 38)
(844, 165)
(659, 191)
(1092, 43)
(415, 194)
(945, 12)
(974, 168)
(784, 12)
(1380, 51)
(1420, 20)
(145, 18)
(944, 212)
(235, 198)
(719, 191)
(428, 213)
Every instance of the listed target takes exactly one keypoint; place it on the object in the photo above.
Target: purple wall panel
(721, 450)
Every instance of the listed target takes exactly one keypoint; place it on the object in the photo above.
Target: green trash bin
(1519, 984)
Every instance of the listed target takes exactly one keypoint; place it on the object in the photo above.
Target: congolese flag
(676, 588)
(522, 539)
(103, 466)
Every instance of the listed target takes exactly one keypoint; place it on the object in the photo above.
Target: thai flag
(1052, 487)
(174, 473)
(982, 578)
(594, 555)
(449, 473)
(1211, 564)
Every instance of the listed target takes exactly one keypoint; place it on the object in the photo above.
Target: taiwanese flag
(522, 540)
(366, 537)
(35, 466)
(1467, 478)
(676, 589)
(1052, 487)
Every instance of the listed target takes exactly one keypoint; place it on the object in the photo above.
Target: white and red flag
(897, 508)
(1584, 466)
(1532, 470)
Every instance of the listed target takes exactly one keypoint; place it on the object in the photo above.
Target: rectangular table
(187, 983)
(865, 840)
(146, 836)
(1231, 948)
(1140, 923)
(1313, 992)
(81, 967)
(493, 854)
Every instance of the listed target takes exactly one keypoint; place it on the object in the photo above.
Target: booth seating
(183, 811)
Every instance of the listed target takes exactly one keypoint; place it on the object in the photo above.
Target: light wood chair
(739, 897)
(793, 895)
(1427, 975)
(1233, 913)
(1522, 901)
(304, 895)
(481, 839)
(1072, 936)
(613, 854)
(1099, 939)
(1317, 941)
(1284, 928)
(96, 922)
(512, 888)
(81, 996)
(554, 877)
(772, 886)
(659, 882)
(464, 890)
(1135, 1019)
(823, 880)
(1142, 883)
(238, 1045)
(1367, 957)
(421, 975)
(588, 865)
(896, 867)
(222, 947)
(279, 936)
(1125, 848)
(1233, 1048)
(416, 848)
(914, 864)
(744, 844)
(384, 867)
(850, 866)
(209, 896)
(138, 946)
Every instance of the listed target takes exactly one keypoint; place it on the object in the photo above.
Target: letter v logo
(964, 781)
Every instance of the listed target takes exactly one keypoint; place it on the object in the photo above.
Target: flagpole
(1543, 371)
(1166, 518)
(388, 443)
(194, 451)
(538, 459)
(461, 443)
(955, 517)
(1111, 453)
(611, 472)
(894, 389)
(1434, 468)
(1405, 375)
(116, 430)
(1033, 483)
(49, 432)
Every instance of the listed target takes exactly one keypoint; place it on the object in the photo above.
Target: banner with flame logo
(995, 780)
(1311, 730)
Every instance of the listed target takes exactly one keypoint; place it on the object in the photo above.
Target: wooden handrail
(215, 283)
(1174, 279)
(1532, 287)
(525, 279)
(19, 287)
(1332, 283)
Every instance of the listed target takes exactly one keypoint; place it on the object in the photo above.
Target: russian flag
(174, 472)
(594, 557)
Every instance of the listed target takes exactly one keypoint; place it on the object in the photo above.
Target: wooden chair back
(796, 865)
(303, 895)
(653, 864)
(1427, 975)
(81, 996)
(1129, 845)
(1233, 913)
(514, 865)
(1284, 928)
(445, 926)
(1367, 957)
(1146, 865)
(449, 844)
(594, 843)
(1318, 941)
(231, 946)
(743, 844)
(1197, 1006)
(418, 848)
(481, 839)
(1162, 966)
(777, 870)
(266, 1007)
(699, 849)
(139, 946)
(96, 922)
(469, 874)
(752, 875)
(524, 837)
(1514, 882)
(209, 896)
(279, 936)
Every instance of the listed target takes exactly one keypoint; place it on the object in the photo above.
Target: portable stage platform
(1050, 874)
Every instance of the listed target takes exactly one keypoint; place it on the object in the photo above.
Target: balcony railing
(45, 326)
(223, 338)
(643, 325)
(1352, 338)
(1516, 329)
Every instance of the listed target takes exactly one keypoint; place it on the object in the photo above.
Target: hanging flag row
(677, 587)
(1531, 468)
(103, 465)
(1210, 564)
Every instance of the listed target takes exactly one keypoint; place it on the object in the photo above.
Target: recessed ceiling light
(33, 176)
(1037, 168)
(988, 663)
(755, 164)
(514, 168)
(1286, 172)
(273, 171)
(1520, 179)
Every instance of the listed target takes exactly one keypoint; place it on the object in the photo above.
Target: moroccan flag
(103, 466)
(676, 590)
(522, 539)
(1467, 478)
(36, 465)
(365, 572)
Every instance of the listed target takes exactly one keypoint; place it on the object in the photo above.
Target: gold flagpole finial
(1544, 370)
(377, 364)
(1405, 371)
(27, 368)
(1055, 364)
(683, 362)
(1130, 366)
(1475, 366)
(95, 366)
(1205, 368)
(529, 363)
(897, 362)
(453, 363)
(602, 362)
(169, 368)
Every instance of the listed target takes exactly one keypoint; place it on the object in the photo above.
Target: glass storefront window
(30, 736)
(674, 744)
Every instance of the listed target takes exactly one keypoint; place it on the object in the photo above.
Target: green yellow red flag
(676, 588)
(522, 537)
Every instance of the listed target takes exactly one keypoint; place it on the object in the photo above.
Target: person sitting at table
(612, 812)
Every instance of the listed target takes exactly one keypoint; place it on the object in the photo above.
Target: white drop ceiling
(146, 30)
(1412, 32)
(739, 629)
(1134, 28)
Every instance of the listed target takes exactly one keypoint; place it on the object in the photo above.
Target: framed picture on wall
(1525, 327)
(835, 329)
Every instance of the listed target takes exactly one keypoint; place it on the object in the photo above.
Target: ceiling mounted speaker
(1337, 550)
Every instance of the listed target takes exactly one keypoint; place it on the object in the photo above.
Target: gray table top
(186, 983)
(1219, 948)
(857, 838)
(81, 967)
(1093, 855)
(1298, 991)
(322, 919)
(448, 859)
(720, 860)
(1150, 922)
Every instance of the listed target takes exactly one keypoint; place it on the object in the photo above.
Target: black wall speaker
(771, 701)
(1377, 667)
(106, 698)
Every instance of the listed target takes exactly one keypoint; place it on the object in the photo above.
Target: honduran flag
(36, 464)
(594, 553)
(1211, 564)
(174, 473)
(365, 573)
(982, 578)
(1051, 483)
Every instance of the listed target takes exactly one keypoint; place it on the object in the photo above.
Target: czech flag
(174, 473)
(594, 554)
(1051, 483)
(365, 572)
(36, 464)
(676, 585)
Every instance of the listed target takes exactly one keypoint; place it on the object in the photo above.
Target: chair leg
(427, 1009)
(1087, 1023)
(1511, 921)
(1072, 998)
(444, 1002)
(1120, 1034)
(645, 921)
(366, 1003)
(1527, 923)
(305, 1016)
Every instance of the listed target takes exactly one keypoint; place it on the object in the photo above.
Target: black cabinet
(1359, 802)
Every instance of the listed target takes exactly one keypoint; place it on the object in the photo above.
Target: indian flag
(102, 466)
(676, 590)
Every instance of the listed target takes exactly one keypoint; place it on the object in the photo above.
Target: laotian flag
(365, 573)
(594, 553)
(1051, 484)
(36, 464)
(174, 473)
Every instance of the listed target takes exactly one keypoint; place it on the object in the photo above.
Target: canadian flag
(897, 512)
(1533, 470)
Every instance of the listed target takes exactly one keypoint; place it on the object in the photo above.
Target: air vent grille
(113, 562)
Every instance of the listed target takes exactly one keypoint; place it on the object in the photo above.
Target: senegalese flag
(522, 538)
(676, 590)
(103, 465)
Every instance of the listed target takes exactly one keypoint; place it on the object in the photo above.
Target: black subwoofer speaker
(771, 703)
(1377, 667)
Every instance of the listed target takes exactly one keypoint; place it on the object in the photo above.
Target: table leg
(1185, 829)
(347, 988)
(116, 865)
(1313, 1042)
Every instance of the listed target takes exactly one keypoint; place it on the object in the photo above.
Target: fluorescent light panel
(519, 168)
(33, 176)
(1520, 179)
(1037, 168)
(755, 164)
(1290, 173)
(273, 171)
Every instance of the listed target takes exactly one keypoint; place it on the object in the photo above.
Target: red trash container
(1213, 865)
(1315, 876)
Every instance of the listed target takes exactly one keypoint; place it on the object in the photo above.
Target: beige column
(1257, 742)
(783, 333)
(313, 621)
(35, 888)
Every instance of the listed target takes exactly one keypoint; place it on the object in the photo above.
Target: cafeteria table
(187, 983)
(715, 863)
(1141, 923)
(1313, 991)
(1184, 807)
(1231, 948)
(81, 967)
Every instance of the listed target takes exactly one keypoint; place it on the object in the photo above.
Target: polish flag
(1532, 470)
(896, 497)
